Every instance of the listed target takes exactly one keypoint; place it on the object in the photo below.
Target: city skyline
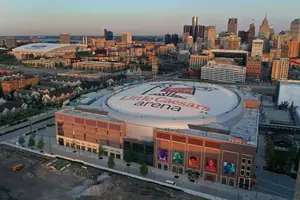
(149, 18)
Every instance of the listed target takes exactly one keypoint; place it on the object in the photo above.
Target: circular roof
(172, 101)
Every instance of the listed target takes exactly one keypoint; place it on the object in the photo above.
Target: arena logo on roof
(168, 98)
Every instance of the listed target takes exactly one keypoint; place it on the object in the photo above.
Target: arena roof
(39, 47)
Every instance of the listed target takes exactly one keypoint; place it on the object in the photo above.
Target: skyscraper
(234, 42)
(244, 36)
(194, 27)
(127, 37)
(175, 39)
(168, 39)
(200, 30)
(280, 68)
(264, 29)
(251, 35)
(257, 47)
(109, 35)
(295, 29)
(210, 37)
(232, 25)
(64, 38)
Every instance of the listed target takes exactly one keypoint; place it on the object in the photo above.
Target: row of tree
(31, 142)
(128, 158)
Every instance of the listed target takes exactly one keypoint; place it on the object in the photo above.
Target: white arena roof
(39, 47)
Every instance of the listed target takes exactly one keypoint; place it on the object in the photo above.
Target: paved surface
(216, 189)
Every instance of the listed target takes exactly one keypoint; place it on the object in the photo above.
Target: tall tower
(194, 27)
(210, 36)
(232, 25)
(64, 38)
(257, 48)
(251, 35)
(264, 29)
(127, 38)
(295, 30)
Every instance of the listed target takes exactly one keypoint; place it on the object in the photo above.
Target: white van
(170, 182)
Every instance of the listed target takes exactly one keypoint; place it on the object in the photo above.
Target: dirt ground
(37, 182)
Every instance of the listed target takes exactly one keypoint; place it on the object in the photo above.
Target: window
(83, 148)
(149, 149)
(174, 169)
(127, 145)
(243, 160)
(165, 166)
(95, 150)
(243, 166)
(247, 183)
(248, 174)
(248, 168)
(241, 183)
(112, 154)
(78, 147)
(224, 180)
(138, 147)
(231, 182)
(159, 165)
(89, 149)
(67, 144)
(180, 170)
(242, 173)
(118, 156)
(249, 162)
(105, 153)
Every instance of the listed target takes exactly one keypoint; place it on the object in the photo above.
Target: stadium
(46, 49)
(185, 127)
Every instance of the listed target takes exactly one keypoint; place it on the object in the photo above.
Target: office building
(200, 31)
(232, 25)
(274, 54)
(224, 73)
(251, 35)
(189, 40)
(195, 28)
(11, 42)
(234, 42)
(99, 66)
(264, 29)
(64, 38)
(127, 38)
(244, 36)
(13, 83)
(175, 39)
(168, 39)
(98, 43)
(198, 61)
(210, 37)
(295, 30)
(280, 68)
(109, 35)
(293, 48)
(186, 29)
(257, 47)
(254, 68)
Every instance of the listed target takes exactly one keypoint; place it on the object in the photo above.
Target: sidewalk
(207, 187)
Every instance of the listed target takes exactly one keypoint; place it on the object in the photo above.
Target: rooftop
(228, 51)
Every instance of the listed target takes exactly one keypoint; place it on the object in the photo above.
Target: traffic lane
(17, 133)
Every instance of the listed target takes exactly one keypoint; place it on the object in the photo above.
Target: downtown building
(216, 142)
(127, 38)
(280, 69)
(198, 61)
(257, 48)
(254, 68)
(232, 26)
(64, 38)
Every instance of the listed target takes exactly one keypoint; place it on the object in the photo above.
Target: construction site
(27, 176)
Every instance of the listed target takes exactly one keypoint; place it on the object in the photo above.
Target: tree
(144, 169)
(100, 151)
(31, 142)
(128, 156)
(111, 161)
(21, 140)
(40, 144)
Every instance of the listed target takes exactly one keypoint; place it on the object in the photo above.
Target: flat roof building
(64, 38)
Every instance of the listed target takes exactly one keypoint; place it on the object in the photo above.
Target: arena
(185, 127)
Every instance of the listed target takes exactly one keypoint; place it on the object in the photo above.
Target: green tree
(144, 169)
(21, 140)
(40, 144)
(111, 161)
(100, 151)
(31, 142)
(128, 156)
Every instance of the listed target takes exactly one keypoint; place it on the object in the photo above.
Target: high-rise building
(2, 42)
(127, 37)
(210, 36)
(274, 54)
(293, 48)
(232, 25)
(280, 68)
(264, 29)
(251, 35)
(253, 68)
(64, 38)
(244, 36)
(234, 42)
(195, 27)
(198, 61)
(189, 40)
(257, 47)
(11, 42)
(168, 39)
(295, 29)
(284, 50)
(200, 31)
(186, 29)
(109, 35)
(175, 39)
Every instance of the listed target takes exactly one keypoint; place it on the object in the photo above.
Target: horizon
(89, 18)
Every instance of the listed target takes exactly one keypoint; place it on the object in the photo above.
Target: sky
(141, 17)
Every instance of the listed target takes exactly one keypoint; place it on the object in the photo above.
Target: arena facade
(199, 129)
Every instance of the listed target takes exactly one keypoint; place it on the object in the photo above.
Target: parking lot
(39, 181)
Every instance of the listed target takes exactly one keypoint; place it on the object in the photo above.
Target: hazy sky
(141, 17)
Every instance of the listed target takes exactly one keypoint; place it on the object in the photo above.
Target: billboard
(177, 157)
(194, 161)
(162, 154)
(211, 165)
(229, 168)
